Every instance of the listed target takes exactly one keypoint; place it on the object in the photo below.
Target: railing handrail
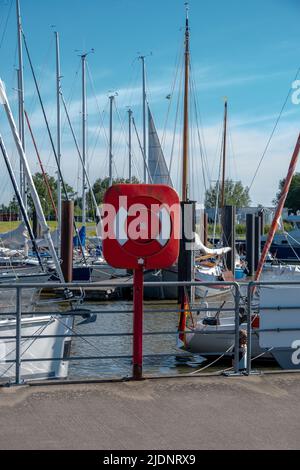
(70, 285)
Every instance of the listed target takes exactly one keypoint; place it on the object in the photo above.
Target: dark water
(163, 317)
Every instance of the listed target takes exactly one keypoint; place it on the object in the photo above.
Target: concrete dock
(258, 412)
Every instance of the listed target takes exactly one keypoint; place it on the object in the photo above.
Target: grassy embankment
(240, 229)
(7, 226)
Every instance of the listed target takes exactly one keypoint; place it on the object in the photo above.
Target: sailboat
(286, 246)
(32, 326)
(215, 335)
(158, 174)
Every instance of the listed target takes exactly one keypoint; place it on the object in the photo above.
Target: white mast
(58, 77)
(33, 191)
(142, 57)
(129, 144)
(83, 63)
(98, 214)
(21, 101)
(111, 100)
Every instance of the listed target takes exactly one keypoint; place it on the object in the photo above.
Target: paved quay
(258, 412)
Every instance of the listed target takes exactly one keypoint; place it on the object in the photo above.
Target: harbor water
(163, 317)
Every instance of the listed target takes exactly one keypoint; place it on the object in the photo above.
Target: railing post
(138, 294)
(237, 328)
(249, 326)
(18, 334)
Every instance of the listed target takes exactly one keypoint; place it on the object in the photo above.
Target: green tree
(235, 194)
(101, 185)
(292, 202)
(43, 193)
(13, 206)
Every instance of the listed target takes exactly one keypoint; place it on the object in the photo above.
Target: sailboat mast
(185, 159)
(111, 100)
(21, 100)
(20, 201)
(224, 156)
(129, 144)
(32, 188)
(280, 206)
(144, 116)
(83, 66)
(58, 77)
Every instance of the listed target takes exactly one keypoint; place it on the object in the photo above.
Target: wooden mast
(224, 156)
(274, 225)
(184, 195)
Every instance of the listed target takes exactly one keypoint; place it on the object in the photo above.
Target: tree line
(235, 194)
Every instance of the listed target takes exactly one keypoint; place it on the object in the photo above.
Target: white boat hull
(216, 340)
(35, 348)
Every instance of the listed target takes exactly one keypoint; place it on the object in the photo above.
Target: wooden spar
(185, 159)
(224, 156)
(274, 225)
(41, 166)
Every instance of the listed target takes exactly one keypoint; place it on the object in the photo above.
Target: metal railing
(19, 315)
(69, 332)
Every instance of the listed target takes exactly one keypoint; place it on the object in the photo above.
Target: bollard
(67, 240)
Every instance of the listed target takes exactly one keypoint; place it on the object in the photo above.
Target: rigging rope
(5, 25)
(52, 144)
(45, 177)
(273, 132)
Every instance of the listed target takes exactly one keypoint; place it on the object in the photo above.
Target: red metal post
(138, 293)
(280, 206)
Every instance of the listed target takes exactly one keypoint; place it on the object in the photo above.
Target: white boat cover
(42, 243)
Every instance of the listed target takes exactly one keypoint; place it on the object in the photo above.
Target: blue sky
(247, 51)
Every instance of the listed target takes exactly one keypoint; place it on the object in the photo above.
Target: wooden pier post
(257, 240)
(250, 223)
(67, 240)
(187, 240)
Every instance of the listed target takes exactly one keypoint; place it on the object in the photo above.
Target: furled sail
(156, 161)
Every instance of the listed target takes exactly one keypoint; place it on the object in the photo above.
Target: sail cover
(156, 161)
(15, 239)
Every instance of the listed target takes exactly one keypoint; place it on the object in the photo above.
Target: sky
(246, 51)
